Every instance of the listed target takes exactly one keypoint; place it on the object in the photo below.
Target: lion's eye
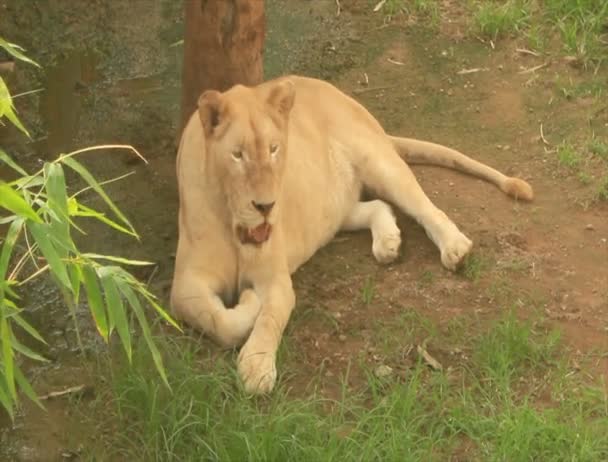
(274, 149)
(237, 155)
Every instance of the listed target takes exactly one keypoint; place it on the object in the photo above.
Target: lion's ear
(210, 110)
(282, 96)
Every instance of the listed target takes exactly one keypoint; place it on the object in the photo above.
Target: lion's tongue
(260, 233)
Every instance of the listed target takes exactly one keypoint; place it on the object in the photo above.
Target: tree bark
(223, 46)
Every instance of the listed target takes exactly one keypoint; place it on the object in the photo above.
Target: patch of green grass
(478, 408)
(598, 147)
(368, 290)
(579, 23)
(473, 266)
(602, 189)
(497, 19)
(584, 178)
(568, 155)
(427, 278)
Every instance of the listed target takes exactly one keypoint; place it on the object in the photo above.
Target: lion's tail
(423, 152)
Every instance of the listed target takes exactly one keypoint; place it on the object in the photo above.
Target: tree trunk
(223, 46)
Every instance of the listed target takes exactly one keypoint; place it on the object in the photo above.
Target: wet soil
(111, 74)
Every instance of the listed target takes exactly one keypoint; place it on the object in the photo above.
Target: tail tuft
(518, 189)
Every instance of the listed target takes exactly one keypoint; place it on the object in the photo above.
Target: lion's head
(245, 131)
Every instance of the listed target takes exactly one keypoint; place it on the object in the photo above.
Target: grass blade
(13, 201)
(21, 348)
(57, 200)
(95, 301)
(83, 211)
(86, 176)
(5, 400)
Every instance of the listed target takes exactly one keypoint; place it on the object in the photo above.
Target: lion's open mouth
(256, 236)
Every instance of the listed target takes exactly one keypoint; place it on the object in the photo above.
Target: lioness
(269, 174)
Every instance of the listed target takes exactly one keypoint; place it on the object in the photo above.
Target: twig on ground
(472, 71)
(68, 391)
(398, 63)
(365, 90)
(525, 51)
(533, 69)
(339, 8)
(432, 362)
(542, 136)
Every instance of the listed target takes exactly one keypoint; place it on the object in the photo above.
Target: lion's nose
(264, 209)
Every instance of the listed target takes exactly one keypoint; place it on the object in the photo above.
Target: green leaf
(5, 400)
(4, 157)
(75, 280)
(13, 201)
(27, 327)
(58, 268)
(7, 357)
(15, 50)
(86, 176)
(95, 301)
(111, 258)
(21, 348)
(133, 300)
(116, 309)
(26, 387)
(7, 109)
(57, 200)
(84, 211)
(160, 310)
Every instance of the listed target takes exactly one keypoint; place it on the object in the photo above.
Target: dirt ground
(547, 259)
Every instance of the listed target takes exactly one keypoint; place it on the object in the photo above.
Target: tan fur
(327, 150)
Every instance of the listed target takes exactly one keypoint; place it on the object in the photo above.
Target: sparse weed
(494, 20)
(568, 156)
(367, 292)
(602, 189)
(474, 265)
(598, 147)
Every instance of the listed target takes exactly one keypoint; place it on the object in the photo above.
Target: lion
(269, 174)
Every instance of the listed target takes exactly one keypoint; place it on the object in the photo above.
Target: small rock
(590, 227)
(342, 338)
(383, 371)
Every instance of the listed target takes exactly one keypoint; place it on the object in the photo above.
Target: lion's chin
(254, 236)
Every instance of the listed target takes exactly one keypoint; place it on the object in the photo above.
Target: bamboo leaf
(15, 50)
(84, 211)
(75, 280)
(116, 309)
(27, 327)
(86, 176)
(5, 400)
(133, 301)
(21, 348)
(57, 199)
(95, 301)
(25, 386)
(114, 259)
(7, 357)
(13, 201)
(7, 109)
(7, 249)
(4, 157)
(58, 268)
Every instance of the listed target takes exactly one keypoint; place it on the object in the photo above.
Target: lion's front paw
(386, 247)
(257, 369)
(453, 253)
